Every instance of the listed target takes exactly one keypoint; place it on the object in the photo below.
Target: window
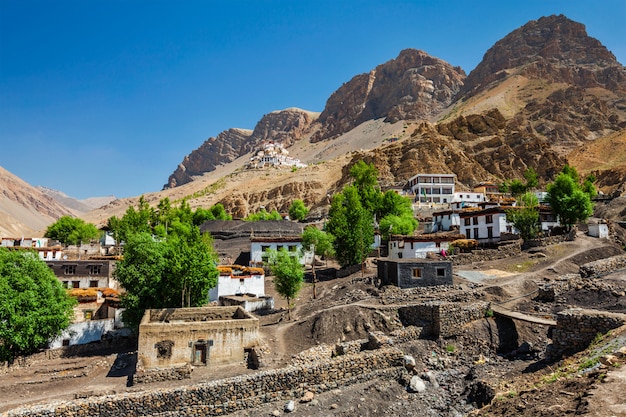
(441, 272)
(436, 190)
(88, 314)
(468, 233)
(93, 284)
(476, 233)
(474, 220)
(467, 221)
(490, 232)
(489, 219)
(75, 284)
(293, 248)
(69, 269)
(94, 269)
(417, 272)
(400, 255)
(66, 342)
(65, 284)
(446, 190)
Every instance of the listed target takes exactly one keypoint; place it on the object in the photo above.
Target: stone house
(200, 336)
(411, 273)
(91, 273)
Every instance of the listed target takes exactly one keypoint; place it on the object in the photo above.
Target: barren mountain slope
(25, 210)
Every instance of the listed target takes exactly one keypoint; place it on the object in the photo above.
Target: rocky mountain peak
(283, 126)
(413, 86)
(555, 48)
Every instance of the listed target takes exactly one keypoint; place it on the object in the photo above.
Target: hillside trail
(560, 259)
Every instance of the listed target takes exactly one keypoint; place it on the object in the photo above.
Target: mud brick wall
(232, 394)
(576, 328)
(602, 266)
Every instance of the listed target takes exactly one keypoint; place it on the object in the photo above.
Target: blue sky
(107, 97)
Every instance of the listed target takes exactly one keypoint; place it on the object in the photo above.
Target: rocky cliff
(414, 86)
(552, 48)
(285, 126)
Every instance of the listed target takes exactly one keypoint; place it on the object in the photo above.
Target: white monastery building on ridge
(273, 154)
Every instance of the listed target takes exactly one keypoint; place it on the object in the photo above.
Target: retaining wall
(576, 328)
(229, 395)
(482, 255)
(602, 266)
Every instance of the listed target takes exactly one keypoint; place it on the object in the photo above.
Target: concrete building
(432, 188)
(464, 199)
(411, 273)
(599, 230)
(485, 225)
(199, 336)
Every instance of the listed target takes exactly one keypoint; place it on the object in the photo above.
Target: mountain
(77, 207)
(285, 126)
(544, 95)
(24, 209)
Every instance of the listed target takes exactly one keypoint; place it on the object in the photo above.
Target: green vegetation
(211, 189)
(450, 348)
(72, 231)
(352, 226)
(568, 199)
(297, 210)
(354, 210)
(525, 217)
(516, 187)
(288, 275)
(323, 241)
(263, 215)
(167, 261)
(34, 306)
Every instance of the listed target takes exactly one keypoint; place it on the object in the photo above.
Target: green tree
(72, 231)
(297, 210)
(567, 198)
(219, 212)
(323, 241)
(263, 215)
(177, 271)
(288, 275)
(34, 306)
(396, 215)
(366, 182)
(525, 217)
(532, 179)
(352, 226)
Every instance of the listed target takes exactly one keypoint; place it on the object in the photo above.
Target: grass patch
(450, 348)
(210, 189)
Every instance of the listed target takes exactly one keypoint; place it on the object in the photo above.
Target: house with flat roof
(200, 336)
(432, 188)
(412, 273)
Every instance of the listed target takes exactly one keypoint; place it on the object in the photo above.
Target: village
(438, 272)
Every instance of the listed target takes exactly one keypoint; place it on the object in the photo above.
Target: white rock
(417, 384)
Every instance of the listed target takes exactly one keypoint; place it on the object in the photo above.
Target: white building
(260, 246)
(486, 225)
(432, 188)
(273, 154)
(238, 280)
(465, 199)
(408, 247)
(444, 221)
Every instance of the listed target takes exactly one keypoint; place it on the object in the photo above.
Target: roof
(229, 229)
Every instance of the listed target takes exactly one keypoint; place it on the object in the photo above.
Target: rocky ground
(492, 368)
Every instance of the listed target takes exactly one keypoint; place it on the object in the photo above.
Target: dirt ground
(485, 362)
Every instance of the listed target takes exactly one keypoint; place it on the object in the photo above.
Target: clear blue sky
(107, 97)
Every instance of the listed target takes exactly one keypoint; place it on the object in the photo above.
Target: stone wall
(602, 266)
(229, 395)
(147, 376)
(482, 255)
(576, 328)
(441, 319)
